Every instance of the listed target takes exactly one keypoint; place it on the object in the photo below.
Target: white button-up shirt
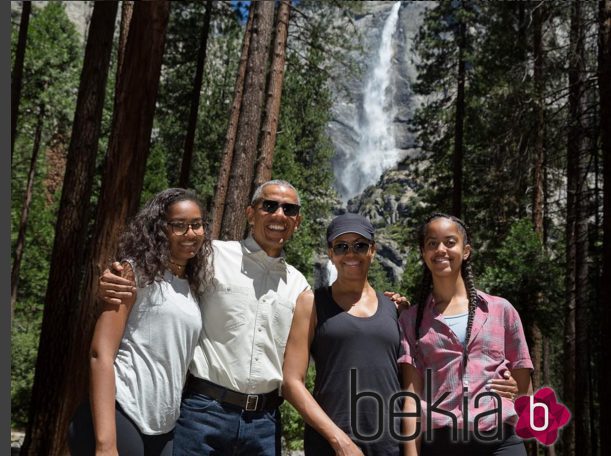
(247, 314)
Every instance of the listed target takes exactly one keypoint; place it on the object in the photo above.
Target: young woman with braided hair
(458, 342)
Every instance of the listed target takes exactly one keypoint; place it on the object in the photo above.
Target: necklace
(179, 268)
(178, 265)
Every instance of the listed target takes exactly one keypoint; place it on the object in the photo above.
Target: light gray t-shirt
(458, 324)
(157, 347)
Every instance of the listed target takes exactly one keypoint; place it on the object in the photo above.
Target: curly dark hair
(466, 273)
(145, 241)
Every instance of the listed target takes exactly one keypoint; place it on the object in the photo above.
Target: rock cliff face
(386, 199)
(347, 128)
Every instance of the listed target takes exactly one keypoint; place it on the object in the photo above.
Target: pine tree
(604, 75)
(16, 75)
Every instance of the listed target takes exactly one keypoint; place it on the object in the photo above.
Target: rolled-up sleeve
(406, 326)
(516, 348)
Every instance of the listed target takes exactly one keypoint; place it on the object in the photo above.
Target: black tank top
(356, 363)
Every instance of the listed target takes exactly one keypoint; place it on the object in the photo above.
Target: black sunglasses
(359, 248)
(289, 209)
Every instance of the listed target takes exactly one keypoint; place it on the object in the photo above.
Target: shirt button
(260, 329)
(257, 359)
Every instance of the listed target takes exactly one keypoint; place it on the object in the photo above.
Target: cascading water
(376, 151)
(370, 122)
(331, 272)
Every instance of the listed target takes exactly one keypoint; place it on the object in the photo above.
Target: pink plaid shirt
(497, 343)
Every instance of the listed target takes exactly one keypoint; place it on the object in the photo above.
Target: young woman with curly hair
(458, 341)
(141, 349)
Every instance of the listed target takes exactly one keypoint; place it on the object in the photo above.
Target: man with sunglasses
(231, 399)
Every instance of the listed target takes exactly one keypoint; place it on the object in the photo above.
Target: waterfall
(376, 151)
(331, 272)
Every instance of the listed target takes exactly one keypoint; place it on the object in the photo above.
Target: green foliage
(30, 298)
(155, 178)
(50, 75)
(379, 279)
(24, 347)
(51, 65)
(412, 276)
(528, 276)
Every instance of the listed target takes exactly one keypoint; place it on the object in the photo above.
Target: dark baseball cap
(350, 223)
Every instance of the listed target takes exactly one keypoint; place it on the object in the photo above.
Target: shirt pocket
(227, 309)
(494, 348)
(282, 318)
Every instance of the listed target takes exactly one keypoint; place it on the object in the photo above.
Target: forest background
(515, 138)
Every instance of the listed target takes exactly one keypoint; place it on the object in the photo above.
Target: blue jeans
(208, 427)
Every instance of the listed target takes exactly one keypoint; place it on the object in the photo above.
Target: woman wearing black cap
(351, 332)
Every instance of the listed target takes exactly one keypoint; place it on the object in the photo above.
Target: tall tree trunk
(242, 169)
(604, 76)
(577, 434)
(568, 434)
(533, 328)
(582, 303)
(55, 164)
(122, 180)
(52, 405)
(220, 194)
(127, 10)
(187, 156)
(274, 95)
(17, 74)
(25, 209)
(459, 120)
(539, 128)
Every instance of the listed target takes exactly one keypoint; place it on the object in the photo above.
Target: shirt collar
(254, 249)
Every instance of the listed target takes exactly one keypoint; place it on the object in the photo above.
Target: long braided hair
(466, 272)
(145, 241)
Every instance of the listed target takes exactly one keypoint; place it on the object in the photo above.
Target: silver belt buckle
(252, 400)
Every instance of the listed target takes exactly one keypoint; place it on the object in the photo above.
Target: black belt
(250, 402)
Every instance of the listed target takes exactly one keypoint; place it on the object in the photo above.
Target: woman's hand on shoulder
(400, 301)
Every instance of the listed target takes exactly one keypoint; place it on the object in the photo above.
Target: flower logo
(540, 416)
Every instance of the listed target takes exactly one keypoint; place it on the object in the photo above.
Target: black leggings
(130, 441)
(442, 444)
